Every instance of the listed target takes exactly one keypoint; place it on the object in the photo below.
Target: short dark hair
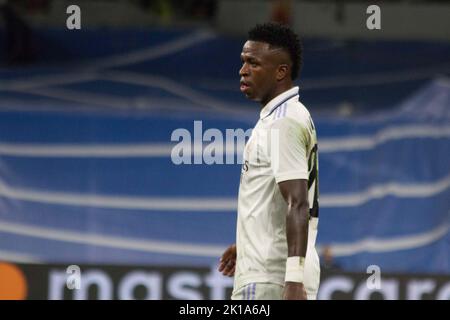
(280, 36)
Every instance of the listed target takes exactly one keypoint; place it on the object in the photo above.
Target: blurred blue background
(86, 119)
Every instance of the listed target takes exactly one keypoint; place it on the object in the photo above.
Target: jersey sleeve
(289, 150)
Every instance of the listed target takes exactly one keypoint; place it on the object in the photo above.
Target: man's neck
(279, 90)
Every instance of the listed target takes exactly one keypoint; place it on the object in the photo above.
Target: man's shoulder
(298, 110)
(295, 114)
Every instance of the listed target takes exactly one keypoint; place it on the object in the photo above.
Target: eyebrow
(256, 59)
(251, 58)
(276, 49)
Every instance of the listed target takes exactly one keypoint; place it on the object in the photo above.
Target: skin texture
(295, 192)
(265, 70)
(266, 73)
(227, 262)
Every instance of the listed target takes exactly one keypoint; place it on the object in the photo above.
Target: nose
(244, 70)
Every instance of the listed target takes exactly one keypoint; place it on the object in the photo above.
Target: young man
(275, 256)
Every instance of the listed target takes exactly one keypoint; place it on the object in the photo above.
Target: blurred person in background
(274, 256)
(282, 11)
(18, 35)
(327, 261)
(162, 8)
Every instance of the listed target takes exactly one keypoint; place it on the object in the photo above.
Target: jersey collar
(276, 102)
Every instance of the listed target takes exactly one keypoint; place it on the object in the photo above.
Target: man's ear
(282, 72)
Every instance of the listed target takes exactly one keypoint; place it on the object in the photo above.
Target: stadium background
(86, 118)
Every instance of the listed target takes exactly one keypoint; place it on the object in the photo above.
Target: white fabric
(295, 269)
(279, 149)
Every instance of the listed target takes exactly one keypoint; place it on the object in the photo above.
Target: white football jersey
(282, 146)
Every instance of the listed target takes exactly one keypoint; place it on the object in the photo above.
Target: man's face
(259, 71)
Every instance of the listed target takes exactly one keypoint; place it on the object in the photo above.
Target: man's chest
(257, 151)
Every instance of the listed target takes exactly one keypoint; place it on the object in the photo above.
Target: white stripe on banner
(388, 245)
(119, 202)
(171, 86)
(18, 257)
(86, 98)
(154, 52)
(86, 151)
(129, 150)
(183, 249)
(113, 242)
(211, 204)
(355, 143)
(424, 190)
(47, 80)
(373, 79)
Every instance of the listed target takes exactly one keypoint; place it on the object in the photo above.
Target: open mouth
(244, 86)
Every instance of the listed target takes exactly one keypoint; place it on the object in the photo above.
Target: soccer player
(274, 256)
